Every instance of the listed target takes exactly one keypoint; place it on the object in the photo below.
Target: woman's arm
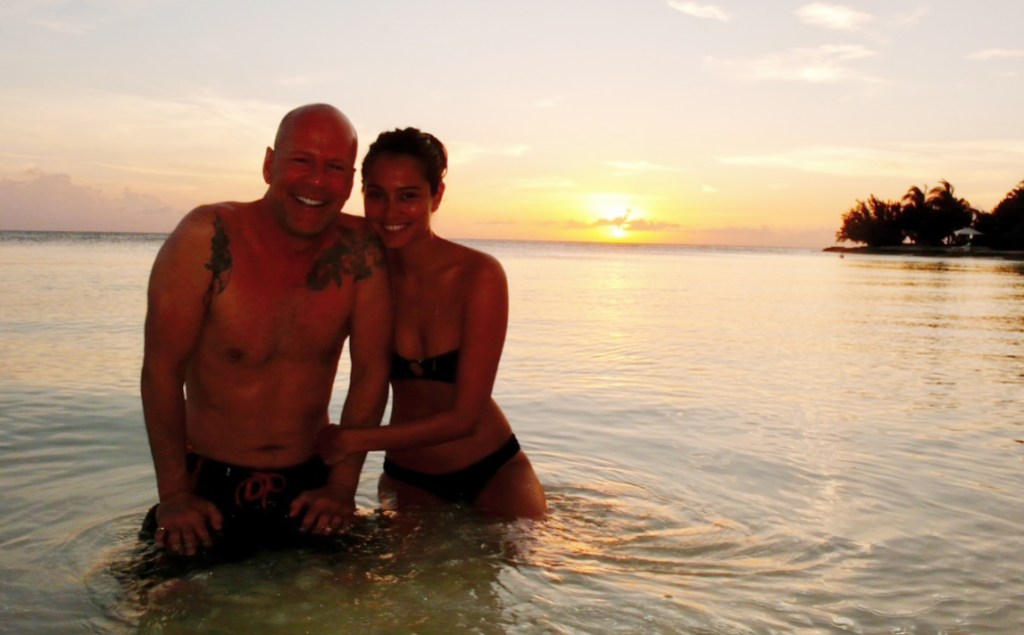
(483, 328)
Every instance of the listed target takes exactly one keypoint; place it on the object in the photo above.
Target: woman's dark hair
(413, 142)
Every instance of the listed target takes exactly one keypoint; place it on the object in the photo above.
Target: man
(249, 306)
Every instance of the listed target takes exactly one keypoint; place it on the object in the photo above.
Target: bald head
(311, 168)
(324, 114)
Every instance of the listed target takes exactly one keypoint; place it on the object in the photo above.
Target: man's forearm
(164, 411)
(363, 408)
(345, 475)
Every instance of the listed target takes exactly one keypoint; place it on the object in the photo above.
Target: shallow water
(733, 441)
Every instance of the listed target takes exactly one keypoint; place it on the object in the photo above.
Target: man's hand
(184, 522)
(325, 510)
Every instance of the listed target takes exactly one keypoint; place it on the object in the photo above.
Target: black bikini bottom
(461, 486)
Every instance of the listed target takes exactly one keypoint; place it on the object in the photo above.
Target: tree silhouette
(930, 219)
(914, 212)
(874, 222)
(1004, 227)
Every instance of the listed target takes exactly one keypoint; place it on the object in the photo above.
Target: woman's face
(397, 200)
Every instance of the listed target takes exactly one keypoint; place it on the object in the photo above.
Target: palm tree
(875, 223)
(1005, 224)
(931, 219)
(914, 208)
(948, 213)
(914, 198)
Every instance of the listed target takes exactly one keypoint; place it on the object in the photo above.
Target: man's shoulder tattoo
(220, 258)
(357, 254)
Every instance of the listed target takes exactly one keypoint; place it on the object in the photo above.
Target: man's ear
(268, 163)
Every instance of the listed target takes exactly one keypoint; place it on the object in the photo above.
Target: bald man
(249, 307)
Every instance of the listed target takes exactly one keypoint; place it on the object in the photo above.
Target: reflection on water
(733, 442)
(452, 572)
(437, 574)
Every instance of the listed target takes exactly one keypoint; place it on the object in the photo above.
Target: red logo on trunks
(258, 487)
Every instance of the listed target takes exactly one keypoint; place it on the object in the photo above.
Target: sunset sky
(728, 122)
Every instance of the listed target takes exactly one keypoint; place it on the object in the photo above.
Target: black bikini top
(441, 367)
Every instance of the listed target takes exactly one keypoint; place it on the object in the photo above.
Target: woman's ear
(437, 197)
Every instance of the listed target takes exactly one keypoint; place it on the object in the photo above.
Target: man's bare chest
(262, 314)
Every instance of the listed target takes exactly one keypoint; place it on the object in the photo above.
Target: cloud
(468, 152)
(991, 54)
(615, 221)
(198, 127)
(70, 17)
(832, 16)
(911, 18)
(644, 225)
(300, 81)
(840, 160)
(905, 161)
(640, 166)
(697, 10)
(502, 222)
(198, 146)
(826, 64)
(625, 222)
(544, 183)
(51, 202)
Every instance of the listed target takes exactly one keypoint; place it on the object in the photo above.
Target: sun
(613, 216)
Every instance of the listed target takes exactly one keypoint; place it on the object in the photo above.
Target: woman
(447, 438)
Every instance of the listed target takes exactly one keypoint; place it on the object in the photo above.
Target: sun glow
(613, 211)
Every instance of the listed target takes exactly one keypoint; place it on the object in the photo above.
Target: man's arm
(176, 305)
(369, 348)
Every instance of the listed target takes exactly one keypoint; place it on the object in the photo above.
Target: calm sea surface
(733, 441)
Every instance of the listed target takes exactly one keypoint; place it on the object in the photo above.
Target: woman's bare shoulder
(477, 266)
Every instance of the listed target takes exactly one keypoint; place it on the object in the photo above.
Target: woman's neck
(418, 257)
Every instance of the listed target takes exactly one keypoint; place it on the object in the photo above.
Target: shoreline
(931, 252)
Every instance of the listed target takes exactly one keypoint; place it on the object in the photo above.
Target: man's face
(310, 172)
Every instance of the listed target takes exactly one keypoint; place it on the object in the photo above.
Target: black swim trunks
(461, 486)
(254, 503)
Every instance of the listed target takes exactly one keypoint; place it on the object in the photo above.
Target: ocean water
(733, 442)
